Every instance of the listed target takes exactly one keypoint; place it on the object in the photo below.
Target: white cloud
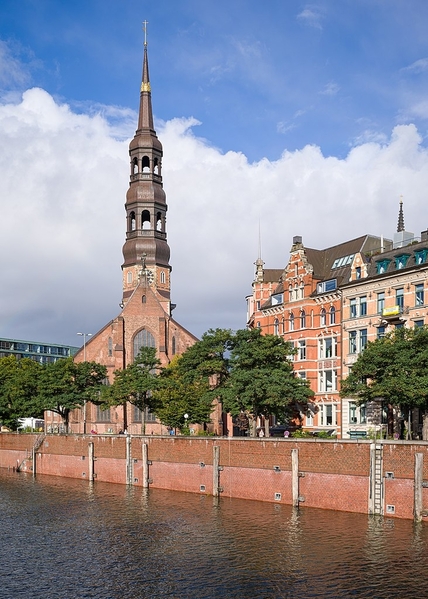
(331, 89)
(63, 181)
(311, 16)
(418, 66)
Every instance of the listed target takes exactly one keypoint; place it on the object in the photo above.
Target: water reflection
(65, 538)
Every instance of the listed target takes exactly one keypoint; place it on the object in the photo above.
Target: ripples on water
(64, 539)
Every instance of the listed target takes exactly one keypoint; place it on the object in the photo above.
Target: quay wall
(327, 474)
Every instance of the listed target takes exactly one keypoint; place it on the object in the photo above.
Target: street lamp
(186, 416)
(84, 335)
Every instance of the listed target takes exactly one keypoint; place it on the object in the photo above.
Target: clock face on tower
(150, 276)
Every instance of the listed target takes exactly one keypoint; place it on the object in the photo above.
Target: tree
(18, 390)
(394, 369)
(65, 385)
(176, 396)
(261, 379)
(249, 372)
(135, 383)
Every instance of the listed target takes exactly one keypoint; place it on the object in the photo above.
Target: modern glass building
(35, 350)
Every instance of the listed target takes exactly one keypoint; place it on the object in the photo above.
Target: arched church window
(145, 220)
(145, 163)
(156, 166)
(129, 277)
(162, 277)
(110, 346)
(132, 222)
(173, 346)
(135, 166)
(159, 221)
(143, 299)
(143, 339)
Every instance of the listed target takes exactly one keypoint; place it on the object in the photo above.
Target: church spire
(146, 202)
(400, 225)
(145, 115)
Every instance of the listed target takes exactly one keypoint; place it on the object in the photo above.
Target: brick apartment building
(329, 303)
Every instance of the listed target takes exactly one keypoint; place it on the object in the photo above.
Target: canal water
(62, 538)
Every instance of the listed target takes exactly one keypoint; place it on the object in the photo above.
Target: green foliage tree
(65, 385)
(135, 383)
(261, 379)
(249, 372)
(18, 390)
(177, 394)
(393, 369)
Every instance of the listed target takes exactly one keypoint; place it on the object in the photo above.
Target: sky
(277, 119)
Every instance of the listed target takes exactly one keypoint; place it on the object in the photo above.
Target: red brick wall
(333, 474)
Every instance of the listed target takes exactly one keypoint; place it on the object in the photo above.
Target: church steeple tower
(146, 251)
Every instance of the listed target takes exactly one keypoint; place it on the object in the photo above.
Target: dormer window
(401, 261)
(382, 266)
(421, 256)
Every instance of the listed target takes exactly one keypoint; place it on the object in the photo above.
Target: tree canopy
(19, 381)
(395, 369)
(65, 385)
(249, 372)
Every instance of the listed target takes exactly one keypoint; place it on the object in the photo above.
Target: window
(380, 302)
(358, 306)
(258, 305)
(421, 256)
(103, 415)
(129, 277)
(382, 266)
(277, 298)
(327, 381)
(173, 349)
(357, 341)
(401, 261)
(363, 339)
(301, 349)
(110, 346)
(358, 272)
(323, 317)
(327, 415)
(357, 414)
(302, 319)
(353, 342)
(326, 286)
(291, 322)
(419, 294)
(332, 315)
(326, 348)
(162, 277)
(301, 374)
(381, 332)
(143, 339)
(399, 297)
(419, 324)
(276, 327)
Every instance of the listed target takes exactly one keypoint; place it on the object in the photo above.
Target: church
(146, 309)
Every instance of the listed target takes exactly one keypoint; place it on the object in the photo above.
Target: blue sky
(287, 113)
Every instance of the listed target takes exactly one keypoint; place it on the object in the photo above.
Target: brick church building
(146, 309)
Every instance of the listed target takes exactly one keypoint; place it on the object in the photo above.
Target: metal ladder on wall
(38, 442)
(376, 483)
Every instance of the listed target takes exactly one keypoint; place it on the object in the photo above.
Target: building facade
(146, 316)
(329, 304)
(41, 352)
